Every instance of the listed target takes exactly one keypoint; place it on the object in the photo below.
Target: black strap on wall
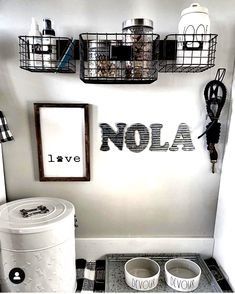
(215, 95)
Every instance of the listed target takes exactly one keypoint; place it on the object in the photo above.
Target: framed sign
(62, 132)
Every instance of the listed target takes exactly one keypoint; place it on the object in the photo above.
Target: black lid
(47, 27)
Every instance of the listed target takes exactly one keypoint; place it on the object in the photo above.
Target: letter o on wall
(130, 137)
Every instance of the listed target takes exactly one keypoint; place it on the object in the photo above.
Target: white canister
(37, 246)
(193, 45)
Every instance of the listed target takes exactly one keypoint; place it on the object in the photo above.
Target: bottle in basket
(49, 45)
(35, 45)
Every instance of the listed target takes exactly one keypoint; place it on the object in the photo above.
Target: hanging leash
(215, 95)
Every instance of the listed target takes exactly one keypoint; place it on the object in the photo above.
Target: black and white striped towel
(5, 134)
(90, 275)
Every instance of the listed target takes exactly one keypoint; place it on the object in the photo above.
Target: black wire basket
(118, 58)
(187, 53)
(47, 54)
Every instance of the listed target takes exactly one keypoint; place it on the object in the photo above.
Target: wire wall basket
(47, 54)
(187, 53)
(118, 58)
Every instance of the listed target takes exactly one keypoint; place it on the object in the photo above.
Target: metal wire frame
(118, 58)
(194, 53)
(46, 54)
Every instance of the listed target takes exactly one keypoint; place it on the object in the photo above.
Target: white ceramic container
(193, 48)
(142, 273)
(182, 274)
(37, 246)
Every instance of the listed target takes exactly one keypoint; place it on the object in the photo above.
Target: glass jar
(138, 33)
(99, 63)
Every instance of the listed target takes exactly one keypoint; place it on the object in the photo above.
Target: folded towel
(90, 275)
(5, 134)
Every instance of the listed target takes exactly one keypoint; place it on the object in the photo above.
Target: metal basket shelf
(187, 53)
(118, 58)
(47, 54)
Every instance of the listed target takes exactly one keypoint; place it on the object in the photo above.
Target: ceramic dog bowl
(142, 273)
(182, 274)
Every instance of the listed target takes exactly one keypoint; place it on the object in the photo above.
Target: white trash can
(37, 242)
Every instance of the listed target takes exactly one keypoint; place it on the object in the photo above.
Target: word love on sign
(63, 158)
(138, 136)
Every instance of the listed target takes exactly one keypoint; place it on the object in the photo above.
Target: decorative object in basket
(37, 245)
(193, 41)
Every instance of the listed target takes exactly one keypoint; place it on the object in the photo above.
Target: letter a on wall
(182, 138)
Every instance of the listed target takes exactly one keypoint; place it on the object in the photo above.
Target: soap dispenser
(49, 45)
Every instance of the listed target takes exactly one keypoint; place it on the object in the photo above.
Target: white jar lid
(194, 8)
(12, 220)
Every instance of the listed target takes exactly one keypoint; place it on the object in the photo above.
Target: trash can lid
(37, 214)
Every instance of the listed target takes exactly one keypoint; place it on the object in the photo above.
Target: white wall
(149, 194)
(2, 179)
(225, 218)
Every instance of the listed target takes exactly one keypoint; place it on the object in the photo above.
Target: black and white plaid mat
(90, 275)
(5, 134)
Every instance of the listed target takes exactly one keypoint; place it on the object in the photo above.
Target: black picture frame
(63, 125)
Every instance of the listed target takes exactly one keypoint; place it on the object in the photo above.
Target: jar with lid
(138, 33)
(99, 63)
(37, 238)
(194, 38)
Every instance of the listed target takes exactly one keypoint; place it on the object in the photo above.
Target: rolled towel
(5, 133)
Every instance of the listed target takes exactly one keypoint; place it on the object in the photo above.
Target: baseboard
(97, 248)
